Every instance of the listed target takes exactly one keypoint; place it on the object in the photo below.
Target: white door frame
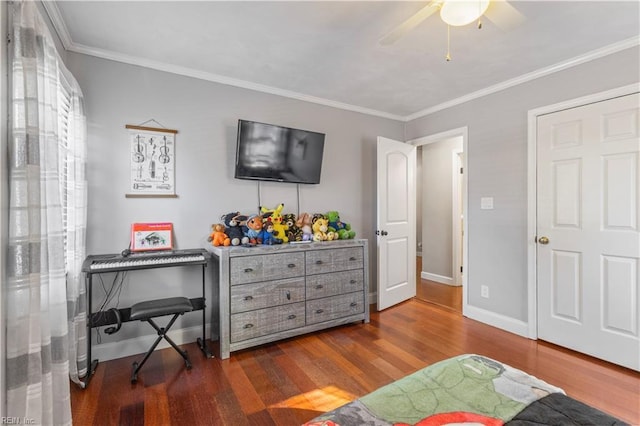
(532, 190)
(464, 133)
(457, 189)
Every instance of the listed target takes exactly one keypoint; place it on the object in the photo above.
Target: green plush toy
(336, 225)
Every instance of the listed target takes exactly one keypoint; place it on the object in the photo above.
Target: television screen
(276, 153)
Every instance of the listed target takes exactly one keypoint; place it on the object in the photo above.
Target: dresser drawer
(266, 267)
(340, 259)
(333, 307)
(247, 325)
(335, 283)
(248, 297)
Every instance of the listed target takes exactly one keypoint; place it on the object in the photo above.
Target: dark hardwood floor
(444, 295)
(292, 381)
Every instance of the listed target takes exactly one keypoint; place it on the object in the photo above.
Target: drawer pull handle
(291, 265)
(292, 316)
(353, 304)
(248, 325)
(319, 311)
(318, 262)
(352, 258)
(288, 295)
(319, 286)
(248, 269)
(248, 298)
(352, 282)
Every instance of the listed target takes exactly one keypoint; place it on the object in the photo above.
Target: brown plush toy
(218, 237)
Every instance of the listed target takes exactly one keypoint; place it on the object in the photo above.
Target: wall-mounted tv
(277, 153)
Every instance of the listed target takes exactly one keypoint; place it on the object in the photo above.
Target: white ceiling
(328, 52)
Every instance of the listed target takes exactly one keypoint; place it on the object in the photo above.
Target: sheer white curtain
(73, 136)
(47, 210)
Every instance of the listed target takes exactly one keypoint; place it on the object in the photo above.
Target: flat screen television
(276, 153)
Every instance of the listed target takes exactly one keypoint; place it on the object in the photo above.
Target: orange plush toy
(218, 237)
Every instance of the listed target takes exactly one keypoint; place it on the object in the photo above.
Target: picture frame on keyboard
(151, 236)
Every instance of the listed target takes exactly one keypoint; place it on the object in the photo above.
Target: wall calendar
(152, 161)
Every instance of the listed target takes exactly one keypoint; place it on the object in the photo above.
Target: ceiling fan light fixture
(462, 12)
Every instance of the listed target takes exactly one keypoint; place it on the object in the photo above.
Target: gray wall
(205, 115)
(497, 167)
(437, 213)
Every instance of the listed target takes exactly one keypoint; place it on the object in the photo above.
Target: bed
(467, 389)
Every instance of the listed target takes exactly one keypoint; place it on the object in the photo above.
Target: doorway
(440, 205)
(446, 296)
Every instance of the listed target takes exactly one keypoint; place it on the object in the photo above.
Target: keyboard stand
(100, 264)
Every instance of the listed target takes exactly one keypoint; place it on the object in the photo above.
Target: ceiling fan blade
(409, 24)
(504, 15)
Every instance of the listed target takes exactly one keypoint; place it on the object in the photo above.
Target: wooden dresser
(266, 293)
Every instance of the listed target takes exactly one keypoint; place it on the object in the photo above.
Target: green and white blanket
(468, 389)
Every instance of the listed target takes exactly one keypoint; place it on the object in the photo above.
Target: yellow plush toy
(320, 227)
(275, 217)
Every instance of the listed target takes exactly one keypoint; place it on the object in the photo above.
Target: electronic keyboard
(145, 260)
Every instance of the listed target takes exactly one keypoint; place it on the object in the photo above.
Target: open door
(396, 222)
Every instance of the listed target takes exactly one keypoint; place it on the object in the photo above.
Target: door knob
(543, 240)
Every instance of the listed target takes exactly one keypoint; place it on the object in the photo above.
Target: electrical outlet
(484, 291)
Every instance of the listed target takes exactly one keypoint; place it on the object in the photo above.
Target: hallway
(443, 295)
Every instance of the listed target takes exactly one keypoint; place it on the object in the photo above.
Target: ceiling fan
(458, 13)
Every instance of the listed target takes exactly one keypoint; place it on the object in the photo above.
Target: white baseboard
(141, 344)
(437, 278)
(509, 324)
(502, 322)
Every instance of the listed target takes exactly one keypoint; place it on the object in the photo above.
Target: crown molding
(203, 75)
(589, 56)
(65, 37)
(68, 43)
(58, 23)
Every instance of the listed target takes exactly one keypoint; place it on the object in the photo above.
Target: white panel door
(396, 224)
(588, 229)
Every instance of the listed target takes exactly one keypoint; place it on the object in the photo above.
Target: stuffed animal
(317, 216)
(217, 236)
(304, 223)
(235, 228)
(266, 236)
(320, 227)
(294, 233)
(343, 230)
(275, 216)
(254, 227)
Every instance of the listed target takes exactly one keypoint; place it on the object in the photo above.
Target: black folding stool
(146, 311)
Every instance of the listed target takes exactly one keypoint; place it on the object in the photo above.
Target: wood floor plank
(292, 381)
(247, 396)
(297, 376)
(156, 402)
(132, 414)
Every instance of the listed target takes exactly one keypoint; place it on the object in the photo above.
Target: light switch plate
(486, 203)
